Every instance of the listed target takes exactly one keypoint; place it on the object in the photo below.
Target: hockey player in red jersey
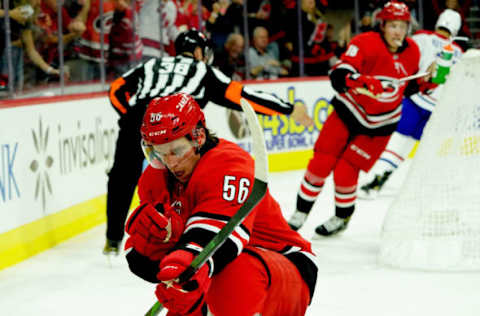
(194, 184)
(367, 108)
(416, 108)
(190, 72)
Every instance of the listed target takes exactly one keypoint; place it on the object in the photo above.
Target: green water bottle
(444, 62)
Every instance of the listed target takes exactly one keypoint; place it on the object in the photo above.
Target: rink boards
(55, 154)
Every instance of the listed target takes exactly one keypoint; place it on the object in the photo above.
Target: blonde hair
(313, 14)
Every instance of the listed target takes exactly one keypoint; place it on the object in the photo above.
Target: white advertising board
(282, 134)
(53, 156)
(56, 155)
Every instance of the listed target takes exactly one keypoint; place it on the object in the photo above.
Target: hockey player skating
(194, 184)
(417, 108)
(188, 72)
(367, 108)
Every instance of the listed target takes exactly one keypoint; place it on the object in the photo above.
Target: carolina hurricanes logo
(107, 22)
(391, 89)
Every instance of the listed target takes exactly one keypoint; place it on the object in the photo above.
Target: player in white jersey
(416, 108)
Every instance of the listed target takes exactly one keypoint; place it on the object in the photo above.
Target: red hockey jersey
(221, 182)
(367, 54)
(89, 44)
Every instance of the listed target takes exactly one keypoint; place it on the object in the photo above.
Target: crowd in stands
(135, 30)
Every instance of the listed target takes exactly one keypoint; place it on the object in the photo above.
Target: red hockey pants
(263, 283)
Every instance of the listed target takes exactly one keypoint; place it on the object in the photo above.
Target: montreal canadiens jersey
(367, 54)
(221, 182)
(431, 44)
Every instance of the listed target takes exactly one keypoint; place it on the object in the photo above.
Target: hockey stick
(415, 76)
(258, 192)
(365, 91)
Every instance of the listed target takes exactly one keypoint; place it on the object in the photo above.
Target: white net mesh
(434, 222)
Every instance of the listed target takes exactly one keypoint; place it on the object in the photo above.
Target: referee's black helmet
(187, 41)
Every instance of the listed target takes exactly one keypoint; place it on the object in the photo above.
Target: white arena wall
(55, 153)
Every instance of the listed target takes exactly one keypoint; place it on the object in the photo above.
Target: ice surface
(75, 278)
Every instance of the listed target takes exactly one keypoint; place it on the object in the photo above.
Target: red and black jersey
(221, 182)
(368, 54)
(89, 44)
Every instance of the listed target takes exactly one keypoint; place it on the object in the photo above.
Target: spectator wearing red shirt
(125, 47)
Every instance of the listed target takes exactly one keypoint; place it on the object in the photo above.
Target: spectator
(366, 23)
(313, 30)
(277, 32)
(78, 9)
(19, 15)
(47, 41)
(264, 57)
(125, 48)
(234, 17)
(231, 60)
(345, 35)
(22, 40)
(331, 45)
(188, 15)
(154, 43)
(259, 12)
(218, 24)
(87, 67)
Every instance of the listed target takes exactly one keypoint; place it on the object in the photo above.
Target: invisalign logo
(42, 164)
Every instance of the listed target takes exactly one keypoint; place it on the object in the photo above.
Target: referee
(189, 72)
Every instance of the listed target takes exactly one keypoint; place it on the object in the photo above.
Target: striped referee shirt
(167, 75)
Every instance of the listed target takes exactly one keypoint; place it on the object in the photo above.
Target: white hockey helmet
(450, 20)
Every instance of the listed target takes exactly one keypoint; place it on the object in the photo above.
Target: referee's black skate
(333, 226)
(112, 247)
(370, 190)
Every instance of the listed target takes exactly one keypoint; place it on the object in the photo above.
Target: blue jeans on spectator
(17, 64)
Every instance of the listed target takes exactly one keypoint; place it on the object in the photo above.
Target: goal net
(434, 222)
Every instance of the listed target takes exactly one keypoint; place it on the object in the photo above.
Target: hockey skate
(297, 220)
(333, 226)
(370, 190)
(112, 247)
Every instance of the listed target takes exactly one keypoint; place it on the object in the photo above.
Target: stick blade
(259, 150)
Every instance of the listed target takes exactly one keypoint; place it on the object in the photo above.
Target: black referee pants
(124, 175)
